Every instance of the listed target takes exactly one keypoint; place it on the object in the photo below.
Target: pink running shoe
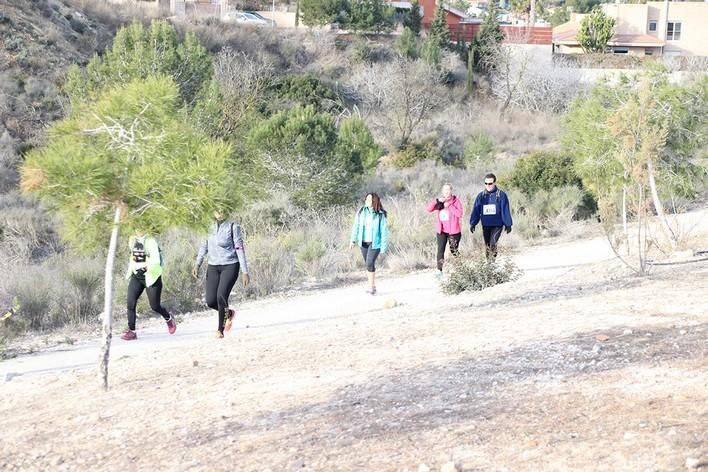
(171, 325)
(229, 319)
(129, 335)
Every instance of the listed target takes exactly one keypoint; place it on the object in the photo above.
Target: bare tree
(398, 96)
(523, 80)
(242, 81)
(509, 64)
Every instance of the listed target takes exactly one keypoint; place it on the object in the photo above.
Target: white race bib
(490, 209)
(444, 215)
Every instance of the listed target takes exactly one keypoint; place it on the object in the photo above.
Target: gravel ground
(588, 369)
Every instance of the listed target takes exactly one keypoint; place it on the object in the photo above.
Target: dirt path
(418, 291)
(576, 366)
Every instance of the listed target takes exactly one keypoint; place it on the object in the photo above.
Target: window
(648, 52)
(652, 25)
(620, 50)
(673, 31)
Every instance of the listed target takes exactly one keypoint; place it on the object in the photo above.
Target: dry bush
(517, 132)
(472, 273)
(63, 290)
(114, 16)
(411, 234)
(9, 160)
(26, 231)
(396, 98)
(521, 79)
(289, 245)
(181, 293)
(546, 213)
(284, 49)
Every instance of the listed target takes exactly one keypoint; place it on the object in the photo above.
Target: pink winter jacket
(448, 220)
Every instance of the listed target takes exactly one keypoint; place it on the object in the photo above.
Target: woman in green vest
(145, 274)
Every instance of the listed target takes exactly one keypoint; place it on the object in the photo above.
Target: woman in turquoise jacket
(370, 233)
(145, 274)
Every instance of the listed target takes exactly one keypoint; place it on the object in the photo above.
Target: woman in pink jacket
(448, 211)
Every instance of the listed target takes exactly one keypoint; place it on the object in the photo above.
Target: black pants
(154, 292)
(443, 239)
(369, 254)
(220, 279)
(491, 237)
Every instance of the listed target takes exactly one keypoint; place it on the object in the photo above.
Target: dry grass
(116, 13)
(515, 133)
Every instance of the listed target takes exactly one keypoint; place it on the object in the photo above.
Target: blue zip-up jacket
(223, 246)
(380, 233)
(492, 208)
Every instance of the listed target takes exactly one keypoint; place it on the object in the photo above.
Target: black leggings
(443, 238)
(154, 292)
(491, 237)
(369, 254)
(220, 279)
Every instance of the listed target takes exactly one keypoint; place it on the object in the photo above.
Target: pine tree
(413, 20)
(406, 44)
(489, 39)
(438, 28)
(130, 159)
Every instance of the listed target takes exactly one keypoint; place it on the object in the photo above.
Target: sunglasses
(488, 183)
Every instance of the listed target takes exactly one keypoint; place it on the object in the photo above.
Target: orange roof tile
(567, 34)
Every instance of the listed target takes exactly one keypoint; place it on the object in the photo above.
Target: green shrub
(369, 15)
(479, 151)
(307, 90)
(295, 151)
(410, 154)
(477, 273)
(543, 170)
(308, 255)
(356, 145)
(546, 212)
(548, 170)
(407, 44)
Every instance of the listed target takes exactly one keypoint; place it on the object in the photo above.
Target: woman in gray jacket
(226, 257)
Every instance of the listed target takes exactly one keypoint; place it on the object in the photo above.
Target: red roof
(455, 11)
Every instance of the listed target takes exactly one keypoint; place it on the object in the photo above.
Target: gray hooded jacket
(223, 246)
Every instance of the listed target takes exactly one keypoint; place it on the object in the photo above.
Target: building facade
(650, 29)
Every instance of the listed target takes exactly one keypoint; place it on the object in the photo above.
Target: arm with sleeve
(455, 208)
(476, 211)
(238, 245)
(505, 210)
(203, 251)
(154, 268)
(355, 228)
(431, 206)
(384, 232)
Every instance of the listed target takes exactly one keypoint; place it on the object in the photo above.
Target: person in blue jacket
(492, 207)
(370, 233)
